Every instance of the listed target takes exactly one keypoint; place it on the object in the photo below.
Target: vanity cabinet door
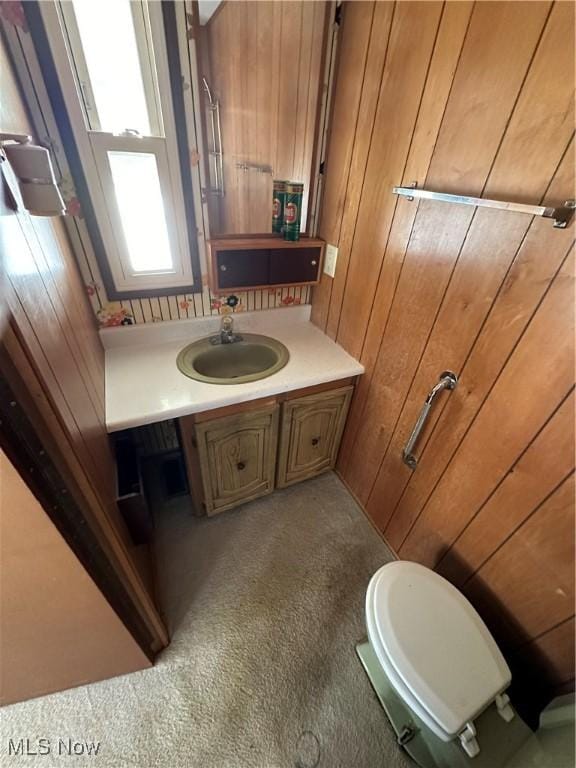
(310, 434)
(237, 457)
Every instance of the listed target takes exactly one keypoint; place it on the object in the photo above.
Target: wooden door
(237, 457)
(310, 434)
(424, 287)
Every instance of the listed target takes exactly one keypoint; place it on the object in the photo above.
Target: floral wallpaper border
(143, 310)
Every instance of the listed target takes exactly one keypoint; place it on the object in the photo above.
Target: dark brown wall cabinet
(252, 262)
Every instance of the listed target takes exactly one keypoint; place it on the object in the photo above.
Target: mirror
(261, 71)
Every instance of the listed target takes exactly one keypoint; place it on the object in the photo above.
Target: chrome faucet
(226, 335)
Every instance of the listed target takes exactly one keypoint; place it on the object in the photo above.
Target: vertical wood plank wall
(264, 65)
(461, 97)
(48, 335)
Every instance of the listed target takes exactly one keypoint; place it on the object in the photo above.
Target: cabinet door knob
(241, 465)
(315, 440)
(223, 268)
(313, 262)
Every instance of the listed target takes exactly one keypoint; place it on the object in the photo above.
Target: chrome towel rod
(561, 215)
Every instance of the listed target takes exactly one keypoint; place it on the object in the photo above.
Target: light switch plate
(330, 259)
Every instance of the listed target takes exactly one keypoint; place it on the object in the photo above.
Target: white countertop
(143, 384)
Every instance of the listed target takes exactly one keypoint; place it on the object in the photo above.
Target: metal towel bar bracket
(561, 215)
(447, 380)
(216, 153)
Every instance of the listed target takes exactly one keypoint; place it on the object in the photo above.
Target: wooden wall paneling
(534, 381)
(543, 466)
(451, 35)
(37, 365)
(310, 74)
(58, 287)
(484, 259)
(236, 45)
(380, 41)
(101, 514)
(259, 188)
(412, 36)
(265, 67)
(275, 73)
(261, 136)
(527, 586)
(352, 56)
(290, 48)
(545, 107)
(491, 242)
(486, 293)
(53, 357)
(43, 369)
(551, 654)
(56, 249)
(496, 55)
(523, 289)
(222, 70)
(307, 16)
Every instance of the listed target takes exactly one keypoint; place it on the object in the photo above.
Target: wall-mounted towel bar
(561, 215)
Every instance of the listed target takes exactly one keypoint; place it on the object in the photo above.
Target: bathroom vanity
(235, 454)
(240, 441)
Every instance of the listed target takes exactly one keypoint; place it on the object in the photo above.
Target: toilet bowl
(439, 659)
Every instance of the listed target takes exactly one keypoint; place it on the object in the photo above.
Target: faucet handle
(226, 323)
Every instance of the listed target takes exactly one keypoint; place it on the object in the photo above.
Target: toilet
(437, 671)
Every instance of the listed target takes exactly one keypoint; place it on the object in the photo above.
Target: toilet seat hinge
(469, 741)
(504, 707)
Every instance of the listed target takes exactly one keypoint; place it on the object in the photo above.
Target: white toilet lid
(436, 642)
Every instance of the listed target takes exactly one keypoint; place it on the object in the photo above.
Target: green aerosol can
(293, 210)
(278, 198)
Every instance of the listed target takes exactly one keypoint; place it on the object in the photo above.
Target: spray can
(293, 210)
(278, 198)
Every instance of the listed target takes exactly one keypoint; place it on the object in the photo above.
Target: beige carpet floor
(265, 605)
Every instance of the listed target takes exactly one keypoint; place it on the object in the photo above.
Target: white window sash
(93, 146)
(102, 143)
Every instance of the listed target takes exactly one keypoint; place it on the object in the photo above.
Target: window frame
(143, 35)
(89, 163)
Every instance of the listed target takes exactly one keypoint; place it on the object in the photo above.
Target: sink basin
(253, 358)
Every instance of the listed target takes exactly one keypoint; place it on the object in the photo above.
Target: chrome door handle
(447, 380)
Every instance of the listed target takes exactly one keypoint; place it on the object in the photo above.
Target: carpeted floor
(265, 605)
